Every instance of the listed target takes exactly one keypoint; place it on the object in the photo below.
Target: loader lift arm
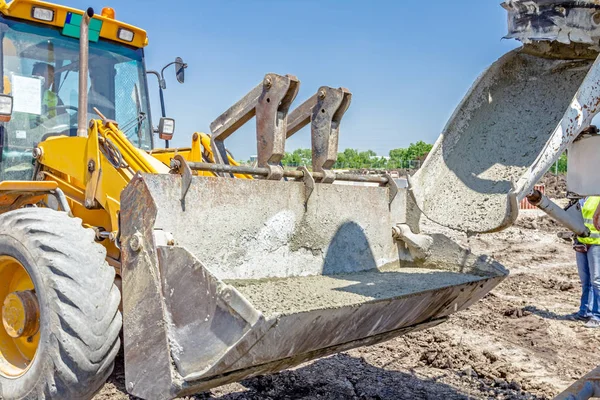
(269, 102)
(324, 111)
(94, 187)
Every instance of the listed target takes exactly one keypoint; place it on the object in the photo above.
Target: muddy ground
(514, 344)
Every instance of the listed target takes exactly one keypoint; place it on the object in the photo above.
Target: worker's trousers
(589, 273)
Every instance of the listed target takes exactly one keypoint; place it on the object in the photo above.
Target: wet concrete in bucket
(299, 294)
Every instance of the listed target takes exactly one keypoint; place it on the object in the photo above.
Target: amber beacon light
(108, 12)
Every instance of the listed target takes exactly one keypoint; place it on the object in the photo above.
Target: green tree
(380, 163)
(397, 158)
(401, 158)
(562, 164)
(366, 159)
(355, 159)
(419, 149)
(299, 157)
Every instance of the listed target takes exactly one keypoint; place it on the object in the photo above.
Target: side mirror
(6, 107)
(166, 128)
(180, 67)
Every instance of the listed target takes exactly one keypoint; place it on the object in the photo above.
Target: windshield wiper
(138, 105)
(136, 122)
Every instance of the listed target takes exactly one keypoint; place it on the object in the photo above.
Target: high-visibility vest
(588, 211)
(50, 102)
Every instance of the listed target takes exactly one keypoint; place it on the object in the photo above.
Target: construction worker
(588, 264)
(50, 100)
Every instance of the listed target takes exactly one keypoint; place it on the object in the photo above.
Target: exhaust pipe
(571, 218)
(84, 49)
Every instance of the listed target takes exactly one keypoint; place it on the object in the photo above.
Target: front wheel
(60, 318)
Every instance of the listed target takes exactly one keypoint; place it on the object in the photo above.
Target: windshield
(41, 72)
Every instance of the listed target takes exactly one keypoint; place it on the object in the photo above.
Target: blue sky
(407, 64)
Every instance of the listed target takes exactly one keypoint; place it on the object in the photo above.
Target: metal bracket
(393, 187)
(275, 172)
(93, 167)
(270, 102)
(418, 244)
(309, 184)
(328, 176)
(181, 166)
(61, 199)
(324, 111)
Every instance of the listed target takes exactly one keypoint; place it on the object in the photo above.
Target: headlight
(125, 35)
(166, 128)
(6, 107)
(43, 14)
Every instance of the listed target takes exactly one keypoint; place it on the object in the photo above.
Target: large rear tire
(77, 333)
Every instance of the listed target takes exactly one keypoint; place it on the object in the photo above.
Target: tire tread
(83, 313)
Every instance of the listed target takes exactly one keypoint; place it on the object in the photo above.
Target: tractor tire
(78, 306)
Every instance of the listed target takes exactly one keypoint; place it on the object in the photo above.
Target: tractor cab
(39, 43)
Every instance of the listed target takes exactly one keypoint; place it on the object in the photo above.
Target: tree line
(402, 158)
(410, 157)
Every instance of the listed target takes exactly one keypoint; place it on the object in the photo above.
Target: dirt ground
(555, 185)
(514, 344)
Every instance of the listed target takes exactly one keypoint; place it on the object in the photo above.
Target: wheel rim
(19, 331)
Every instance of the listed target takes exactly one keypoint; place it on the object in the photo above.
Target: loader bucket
(246, 277)
(512, 125)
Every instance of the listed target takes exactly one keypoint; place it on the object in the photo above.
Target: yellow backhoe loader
(223, 271)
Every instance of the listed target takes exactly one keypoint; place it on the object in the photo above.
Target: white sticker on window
(27, 94)
(21, 134)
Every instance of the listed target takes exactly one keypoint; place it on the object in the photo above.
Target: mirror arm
(162, 73)
(161, 80)
(162, 84)
(161, 76)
